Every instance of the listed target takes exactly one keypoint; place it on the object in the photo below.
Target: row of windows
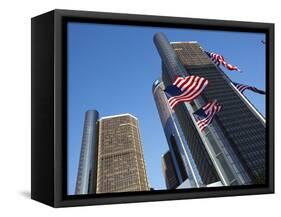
(198, 151)
(108, 148)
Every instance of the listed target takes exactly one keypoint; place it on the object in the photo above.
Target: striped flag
(216, 58)
(219, 59)
(185, 89)
(243, 87)
(206, 113)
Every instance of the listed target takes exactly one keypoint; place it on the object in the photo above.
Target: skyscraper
(182, 158)
(86, 177)
(169, 171)
(233, 146)
(121, 166)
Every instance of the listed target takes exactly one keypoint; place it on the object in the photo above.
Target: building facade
(169, 171)
(232, 148)
(121, 166)
(86, 177)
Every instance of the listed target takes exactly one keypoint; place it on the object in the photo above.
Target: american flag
(206, 113)
(185, 89)
(243, 87)
(219, 59)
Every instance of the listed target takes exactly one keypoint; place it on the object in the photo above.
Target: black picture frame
(49, 106)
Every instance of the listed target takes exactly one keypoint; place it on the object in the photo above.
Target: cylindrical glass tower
(86, 177)
(168, 56)
(185, 167)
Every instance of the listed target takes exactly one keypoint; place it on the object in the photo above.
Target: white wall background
(15, 106)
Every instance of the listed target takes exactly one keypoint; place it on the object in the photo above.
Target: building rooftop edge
(180, 42)
(92, 110)
(120, 115)
(155, 85)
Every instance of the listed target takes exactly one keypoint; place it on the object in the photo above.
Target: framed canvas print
(134, 108)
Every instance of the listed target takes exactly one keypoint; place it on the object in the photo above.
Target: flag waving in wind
(243, 87)
(206, 113)
(219, 59)
(185, 89)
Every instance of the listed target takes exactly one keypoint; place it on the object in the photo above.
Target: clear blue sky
(111, 68)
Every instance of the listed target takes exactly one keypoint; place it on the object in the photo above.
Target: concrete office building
(121, 166)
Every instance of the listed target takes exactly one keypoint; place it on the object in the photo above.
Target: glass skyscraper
(86, 177)
(232, 148)
(185, 167)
